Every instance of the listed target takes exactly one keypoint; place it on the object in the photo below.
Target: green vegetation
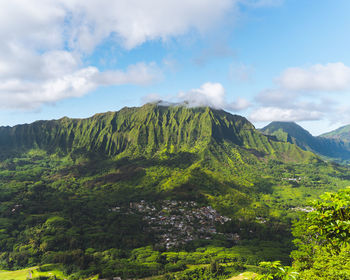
(277, 271)
(323, 238)
(70, 192)
(48, 272)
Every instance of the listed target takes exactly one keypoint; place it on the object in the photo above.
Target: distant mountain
(329, 147)
(292, 133)
(342, 133)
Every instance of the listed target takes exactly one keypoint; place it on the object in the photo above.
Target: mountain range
(146, 131)
(93, 194)
(333, 145)
(153, 129)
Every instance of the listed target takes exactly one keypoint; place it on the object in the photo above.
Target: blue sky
(283, 60)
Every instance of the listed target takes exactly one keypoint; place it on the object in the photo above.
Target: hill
(342, 134)
(330, 148)
(150, 190)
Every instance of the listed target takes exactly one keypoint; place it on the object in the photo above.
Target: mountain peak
(284, 125)
(286, 131)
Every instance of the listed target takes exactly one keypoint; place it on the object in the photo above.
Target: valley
(155, 190)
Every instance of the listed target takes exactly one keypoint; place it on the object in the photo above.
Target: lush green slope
(291, 132)
(135, 131)
(87, 193)
(342, 133)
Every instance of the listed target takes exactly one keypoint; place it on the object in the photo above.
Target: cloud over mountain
(208, 94)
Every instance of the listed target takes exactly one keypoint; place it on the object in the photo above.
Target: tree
(327, 265)
(276, 271)
(322, 237)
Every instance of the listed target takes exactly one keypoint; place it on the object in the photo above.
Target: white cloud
(45, 43)
(34, 66)
(151, 98)
(34, 24)
(265, 114)
(328, 77)
(294, 98)
(137, 21)
(276, 97)
(209, 94)
(283, 105)
(238, 105)
(137, 74)
(85, 23)
(21, 94)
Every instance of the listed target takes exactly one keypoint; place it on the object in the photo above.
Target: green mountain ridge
(341, 133)
(329, 148)
(144, 131)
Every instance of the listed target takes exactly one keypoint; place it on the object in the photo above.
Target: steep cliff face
(145, 131)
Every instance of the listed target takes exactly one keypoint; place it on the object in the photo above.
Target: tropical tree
(322, 237)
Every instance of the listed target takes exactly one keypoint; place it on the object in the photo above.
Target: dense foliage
(276, 271)
(323, 238)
